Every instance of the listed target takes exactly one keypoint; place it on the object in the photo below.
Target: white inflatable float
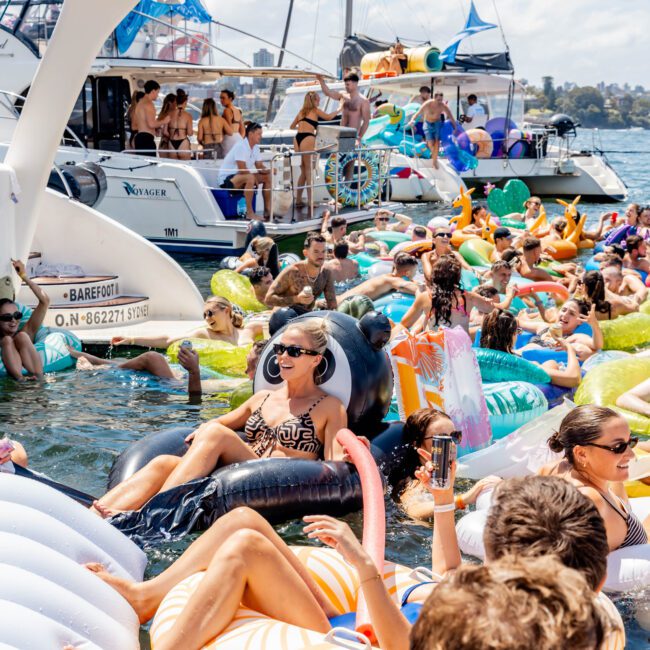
(628, 569)
(47, 598)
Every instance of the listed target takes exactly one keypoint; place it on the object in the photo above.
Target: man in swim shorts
(144, 140)
(434, 112)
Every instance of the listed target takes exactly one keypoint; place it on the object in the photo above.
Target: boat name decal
(132, 189)
(101, 316)
(93, 293)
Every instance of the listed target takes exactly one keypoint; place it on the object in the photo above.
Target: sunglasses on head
(293, 350)
(208, 313)
(443, 234)
(7, 318)
(618, 448)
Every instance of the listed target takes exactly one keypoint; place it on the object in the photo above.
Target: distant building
(262, 59)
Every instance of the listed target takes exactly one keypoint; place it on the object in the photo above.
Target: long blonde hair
(262, 245)
(235, 317)
(317, 330)
(308, 104)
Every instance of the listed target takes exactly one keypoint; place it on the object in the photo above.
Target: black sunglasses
(292, 350)
(7, 318)
(383, 218)
(443, 234)
(208, 313)
(618, 448)
(456, 436)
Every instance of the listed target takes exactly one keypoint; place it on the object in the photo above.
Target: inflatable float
(363, 186)
(50, 599)
(628, 332)
(225, 358)
(51, 343)
(236, 288)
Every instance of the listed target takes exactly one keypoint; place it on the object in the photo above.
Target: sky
(609, 45)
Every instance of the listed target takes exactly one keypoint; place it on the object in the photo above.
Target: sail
(473, 25)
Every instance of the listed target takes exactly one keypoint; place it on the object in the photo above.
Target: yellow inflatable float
(418, 59)
(628, 332)
(237, 288)
(226, 358)
(250, 630)
(607, 382)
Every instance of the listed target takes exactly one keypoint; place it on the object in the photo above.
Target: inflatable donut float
(390, 237)
(482, 140)
(628, 332)
(47, 594)
(365, 185)
(250, 630)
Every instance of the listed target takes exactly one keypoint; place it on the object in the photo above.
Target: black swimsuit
(145, 144)
(298, 432)
(301, 136)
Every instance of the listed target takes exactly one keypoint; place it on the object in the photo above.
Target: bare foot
(74, 353)
(131, 591)
(104, 512)
(84, 364)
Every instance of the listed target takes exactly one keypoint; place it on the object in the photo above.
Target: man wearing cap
(502, 241)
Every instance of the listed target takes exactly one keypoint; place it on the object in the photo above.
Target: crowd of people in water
(547, 538)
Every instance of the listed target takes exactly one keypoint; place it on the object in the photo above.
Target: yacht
(178, 205)
(544, 157)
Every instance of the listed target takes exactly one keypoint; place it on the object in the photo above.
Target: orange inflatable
(560, 249)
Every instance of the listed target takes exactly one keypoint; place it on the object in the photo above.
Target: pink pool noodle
(374, 515)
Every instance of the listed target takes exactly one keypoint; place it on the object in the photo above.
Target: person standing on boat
(237, 170)
(300, 284)
(434, 112)
(130, 116)
(424, 96)
(144, 140)
(180, 129)
(235, 119)
(212, 130)
(475, 113)
(168, 107)
(306, 125)
(356, 107)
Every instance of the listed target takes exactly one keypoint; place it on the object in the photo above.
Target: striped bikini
(635, 531)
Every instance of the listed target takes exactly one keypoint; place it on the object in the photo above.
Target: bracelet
(375, 577)
(447, 507)
(460, 504)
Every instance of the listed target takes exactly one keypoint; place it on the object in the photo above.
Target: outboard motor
(563, 124)
(86, 181)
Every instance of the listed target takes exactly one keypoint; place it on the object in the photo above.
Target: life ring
(226, 358)
(627, 332)
(363, 186)
(476, 252)
(482, 140)
(236, 288)
(250, 629)
(509, 222)
(365, 261)
(497, 366)
(511, 404)
(51, 343)
(604, 384)
(557, 289)
(46, 537)
(627, 568)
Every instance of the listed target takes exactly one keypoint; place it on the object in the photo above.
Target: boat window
(499, 107)
(39, 22)
(293, 103)
(81, 119)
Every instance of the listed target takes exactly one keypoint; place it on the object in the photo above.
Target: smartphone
(441, 457)
(187, 345)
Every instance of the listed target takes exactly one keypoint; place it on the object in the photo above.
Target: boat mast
(274, 85)
(348, 19)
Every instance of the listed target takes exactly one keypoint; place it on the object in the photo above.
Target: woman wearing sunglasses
(419, 430)
(17, 347)
(441, 247)
(298, 420)
(597, 450)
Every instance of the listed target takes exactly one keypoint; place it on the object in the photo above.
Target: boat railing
(12, 102)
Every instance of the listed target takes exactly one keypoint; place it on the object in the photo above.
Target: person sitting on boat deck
(262, 251)
(144, 140)
(434, 112)
(237, 173)
(597, 448)
(17, 347)
(572, 314)
(356, 108)
(130, 116)
(298, 420)
(306, 126)
(499, 332)
(445, 302)
(168, 108)
(395, 61)
(299, 285)
(211, 130)
(261, 281)
(382, 223)
(608, 304)
(441, 247)
(342, 268)
(624, 285)
(400, 279)
(479, 215)
(636, 254)
(636, 399)
(475, 114)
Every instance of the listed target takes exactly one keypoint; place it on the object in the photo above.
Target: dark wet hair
(487, 291)
(425, 89)
(404, 259)
(611, 259)
(228, 92)
(181, 96)
(257, 274)
(531, 243)
(595, 287)
(580, 426)
(584, 307)
(445, 282)
(341, 250)
(252, 126)
(476, 209)
(498, 330)
(7, 301)
(351, 76)
(150, 86)
(338, 221)
(420, 231)
(472, 96)
(510, 255)
(633, 242)
(313, 237)
(500, 264)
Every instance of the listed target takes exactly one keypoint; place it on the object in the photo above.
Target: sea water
(75, 423)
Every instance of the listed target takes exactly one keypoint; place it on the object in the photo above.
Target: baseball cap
(501, 232)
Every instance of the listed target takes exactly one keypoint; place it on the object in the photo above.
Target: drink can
(441, 447)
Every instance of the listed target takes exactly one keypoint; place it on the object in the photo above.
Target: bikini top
(460, 309)
(298, 433)
(313, 123)
(635, 531)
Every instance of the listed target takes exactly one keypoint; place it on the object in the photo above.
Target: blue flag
(128, 29)
(474, 25)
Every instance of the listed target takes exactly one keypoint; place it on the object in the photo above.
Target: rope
(313, 44)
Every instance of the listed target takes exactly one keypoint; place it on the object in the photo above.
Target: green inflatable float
(226, 358)
(236, 288)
